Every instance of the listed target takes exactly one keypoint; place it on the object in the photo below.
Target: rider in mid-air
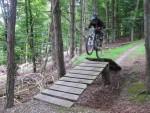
(97, 24)
(95, 36)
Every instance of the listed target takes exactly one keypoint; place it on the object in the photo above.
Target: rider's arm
(90, 25)
(101, 24)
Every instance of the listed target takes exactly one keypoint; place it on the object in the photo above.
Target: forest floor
(119, 97)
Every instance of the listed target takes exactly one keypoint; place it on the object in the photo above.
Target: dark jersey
(96, 23)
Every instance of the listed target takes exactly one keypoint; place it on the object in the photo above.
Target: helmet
(94, 16)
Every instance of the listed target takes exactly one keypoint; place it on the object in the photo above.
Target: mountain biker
(94, 38)
(96, 23)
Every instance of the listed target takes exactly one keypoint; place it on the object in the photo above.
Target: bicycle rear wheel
(89, 45)
(98, 46)
(98, 53)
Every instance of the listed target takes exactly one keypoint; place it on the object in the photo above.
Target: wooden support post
(106, 75)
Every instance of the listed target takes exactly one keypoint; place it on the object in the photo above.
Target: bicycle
(94, 41)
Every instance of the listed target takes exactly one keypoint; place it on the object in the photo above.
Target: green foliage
(80, 59)
(136, 88)
(140, 51)
(112, 53)
(2, 57)
(42, 18)
(136, 92)
(40, 21)
(126, 14)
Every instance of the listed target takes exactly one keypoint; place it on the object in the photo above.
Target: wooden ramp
(67, 90)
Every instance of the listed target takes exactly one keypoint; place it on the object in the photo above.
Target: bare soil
(98, 98)
(115, 98)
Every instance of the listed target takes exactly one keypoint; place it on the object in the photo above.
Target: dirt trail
(133, 72)
(125, 55)
(97, 99)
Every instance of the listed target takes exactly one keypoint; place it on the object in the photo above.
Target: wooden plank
(72, 84)
(53, 100)
(92, 62)
(81, 76)
(92, 73)
(101, 65)
(84, 81)
(95, 62)
(88, 68)
(67, 89)
(60, 94)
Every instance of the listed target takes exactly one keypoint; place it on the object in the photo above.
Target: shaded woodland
(37, 33)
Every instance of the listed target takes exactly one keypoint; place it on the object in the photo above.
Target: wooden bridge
(66, 91)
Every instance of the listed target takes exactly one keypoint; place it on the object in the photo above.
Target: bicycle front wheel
(98, 47)
(98, 53)
(89, 45)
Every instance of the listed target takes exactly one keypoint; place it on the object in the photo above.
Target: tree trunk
(27, 29)
(95, 8)
(133, 22)
(53, 41)
(107, 20)
(11, 66)
(132, 33)
(72, 28)
(147, 40)
(85, 8)
(58, 37)
(117, 20)
(31, 37)
(43, 66)
(114, 13)
(5, 32)
(81, 28)
(86, 11)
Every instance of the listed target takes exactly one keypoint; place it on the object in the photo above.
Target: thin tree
(72, 28)
(114, 21)
(31, 35)
(11, 66)
(52, 40)
(56, 15)
(107, 18)
(81, 27)
(85, 7)
(134, 18)
(95, 8)
(84, 20)
(27, 27)
(147, 40)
